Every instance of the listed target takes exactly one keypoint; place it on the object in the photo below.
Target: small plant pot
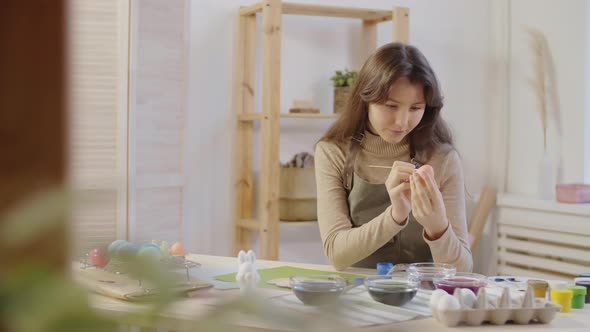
(341, 95)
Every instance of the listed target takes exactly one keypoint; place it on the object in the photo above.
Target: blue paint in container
(384, 268)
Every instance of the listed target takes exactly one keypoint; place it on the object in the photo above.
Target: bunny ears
(244, 257)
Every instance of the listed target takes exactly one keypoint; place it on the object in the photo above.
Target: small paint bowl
(395, 289)
(427, 273)
(317, 290)
(471, 281)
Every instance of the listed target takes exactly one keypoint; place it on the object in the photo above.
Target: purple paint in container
(585, 283)
(471, 281)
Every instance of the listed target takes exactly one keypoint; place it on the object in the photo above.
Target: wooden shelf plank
(377, 15)
(258, 116)
(309, 115)
(332, 11)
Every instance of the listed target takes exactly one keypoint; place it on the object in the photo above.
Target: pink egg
(98, 257)
(177, 249)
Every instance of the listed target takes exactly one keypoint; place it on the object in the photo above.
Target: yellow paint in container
(563, 297)
(539, 287)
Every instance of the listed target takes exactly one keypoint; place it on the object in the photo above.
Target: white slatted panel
(98, 53)
(157, 120)
(541, 243)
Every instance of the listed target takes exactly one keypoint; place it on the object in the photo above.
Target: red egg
(98, 257)
(177, 249)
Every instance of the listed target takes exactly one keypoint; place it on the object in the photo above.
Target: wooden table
(186, 312)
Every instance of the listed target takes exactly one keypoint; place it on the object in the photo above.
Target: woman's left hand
(427, 204)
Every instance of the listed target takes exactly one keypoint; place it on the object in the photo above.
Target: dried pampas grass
(544, 82)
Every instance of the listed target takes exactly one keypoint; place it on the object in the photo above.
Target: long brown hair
(388, 64)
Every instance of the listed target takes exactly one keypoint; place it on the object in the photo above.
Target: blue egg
(149, 253)
(150, 245)
(114, 246)
(127, 251)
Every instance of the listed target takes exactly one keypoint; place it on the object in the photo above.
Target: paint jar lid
(557, 284)
(578, 290)
(538, 284)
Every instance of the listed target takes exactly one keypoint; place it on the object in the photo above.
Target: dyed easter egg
(127, 251)
(114, 246)
(149, 253)
(177, 249)
(150, 245)
(98, 257)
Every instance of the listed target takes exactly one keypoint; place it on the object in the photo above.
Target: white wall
(587, 131)
(453, 34)
(565, 24)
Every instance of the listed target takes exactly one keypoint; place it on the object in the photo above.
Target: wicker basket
(297, 196)
(341, 95)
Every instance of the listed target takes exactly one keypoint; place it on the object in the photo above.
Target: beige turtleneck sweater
(345, 245)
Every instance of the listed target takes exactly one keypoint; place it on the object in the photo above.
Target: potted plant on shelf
(343, 82)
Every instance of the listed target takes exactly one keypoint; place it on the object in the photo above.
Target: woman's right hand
(398, 187)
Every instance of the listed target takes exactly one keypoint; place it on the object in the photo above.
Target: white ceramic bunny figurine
(247, 276)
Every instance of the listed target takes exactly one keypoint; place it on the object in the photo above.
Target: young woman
(374, 205)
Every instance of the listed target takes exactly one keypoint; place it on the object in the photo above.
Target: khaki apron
(365, 202)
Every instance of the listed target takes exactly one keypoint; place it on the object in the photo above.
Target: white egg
(459, 297)
(448, 302)
(435, 297)
(468, 298)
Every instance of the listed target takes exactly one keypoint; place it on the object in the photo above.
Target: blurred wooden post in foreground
(32, 118)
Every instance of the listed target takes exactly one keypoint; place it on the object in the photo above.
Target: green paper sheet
(286, 272)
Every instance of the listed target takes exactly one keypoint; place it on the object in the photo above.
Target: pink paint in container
(471, 281)
(573, 193)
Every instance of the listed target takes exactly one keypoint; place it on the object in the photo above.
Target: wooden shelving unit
(267, 221)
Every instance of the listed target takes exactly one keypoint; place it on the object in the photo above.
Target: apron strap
(355, 147)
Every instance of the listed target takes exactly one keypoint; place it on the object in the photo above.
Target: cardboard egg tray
(489, 306)
(543, 313)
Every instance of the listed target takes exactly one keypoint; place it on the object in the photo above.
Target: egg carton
(463, 307)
